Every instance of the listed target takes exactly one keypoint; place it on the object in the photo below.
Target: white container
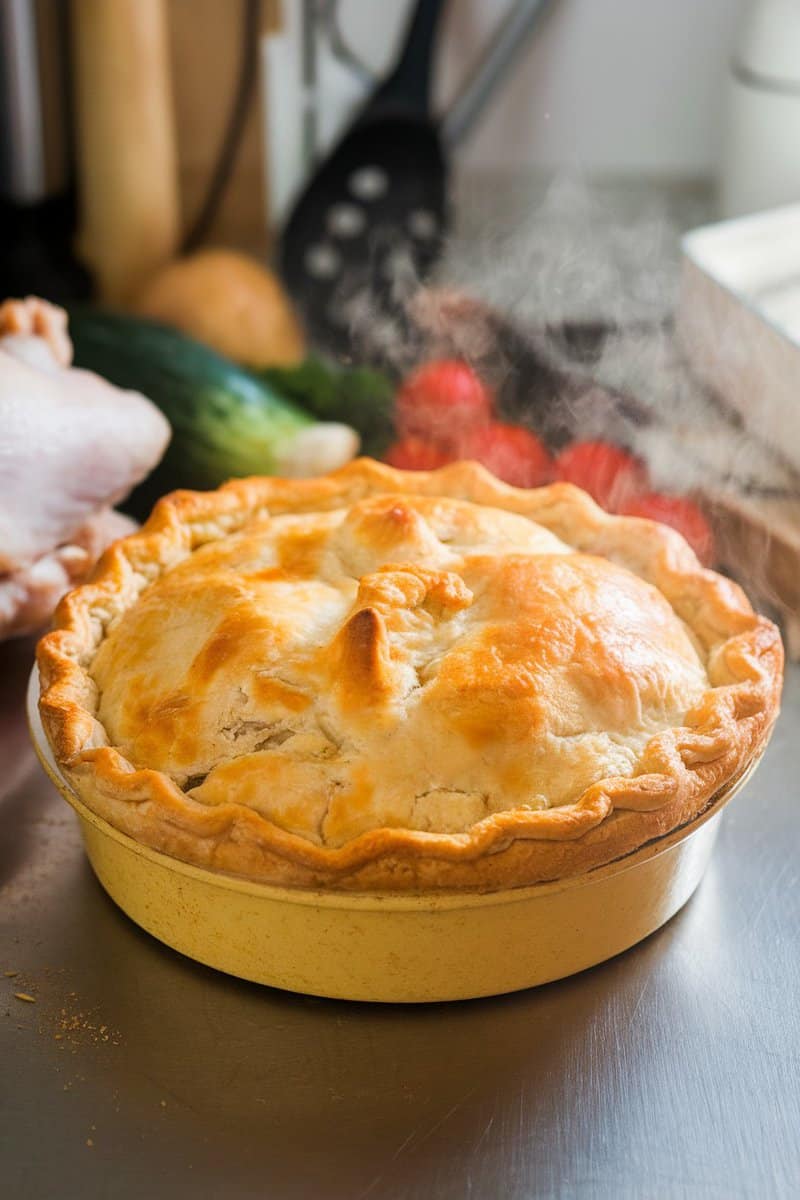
(761, 144)
(738, 319)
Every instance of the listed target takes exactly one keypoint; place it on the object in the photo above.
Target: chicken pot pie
(393, 680)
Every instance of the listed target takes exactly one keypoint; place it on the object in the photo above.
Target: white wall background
(604, 85)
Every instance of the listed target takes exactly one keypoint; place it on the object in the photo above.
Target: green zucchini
(225, 421)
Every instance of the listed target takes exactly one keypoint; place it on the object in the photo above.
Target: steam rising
(574, 260)
(510, 284)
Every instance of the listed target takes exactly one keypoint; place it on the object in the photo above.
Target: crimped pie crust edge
(679, 773)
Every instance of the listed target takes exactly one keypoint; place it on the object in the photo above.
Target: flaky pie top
(418, 662)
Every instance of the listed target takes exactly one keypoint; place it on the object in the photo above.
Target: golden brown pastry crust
(677, 771)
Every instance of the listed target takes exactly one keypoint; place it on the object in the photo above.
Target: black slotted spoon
(371, 220)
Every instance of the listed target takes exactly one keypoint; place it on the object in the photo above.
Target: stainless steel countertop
(671, 1071)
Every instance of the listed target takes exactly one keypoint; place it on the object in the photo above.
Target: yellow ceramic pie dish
(394, 947)
(402, 736)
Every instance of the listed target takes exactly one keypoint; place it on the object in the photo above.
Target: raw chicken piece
(29, 595)
(39, 327)
(71, 446)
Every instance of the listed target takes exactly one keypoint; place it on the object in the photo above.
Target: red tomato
(611, 476)
(510, 452)
(681, 514)
(442, 401)
(412, 454)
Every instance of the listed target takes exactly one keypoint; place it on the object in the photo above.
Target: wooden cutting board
(758, 541)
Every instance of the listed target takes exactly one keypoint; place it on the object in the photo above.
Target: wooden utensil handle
(126, 141)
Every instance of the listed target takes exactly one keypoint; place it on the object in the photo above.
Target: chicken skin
(71, 446)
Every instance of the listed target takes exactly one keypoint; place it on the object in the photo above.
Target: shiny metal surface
(669, 1071)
